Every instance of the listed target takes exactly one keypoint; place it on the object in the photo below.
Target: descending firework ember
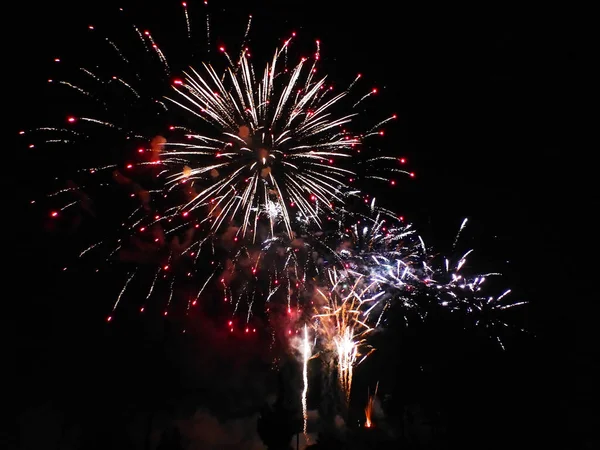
(369, 408)
(259, 162)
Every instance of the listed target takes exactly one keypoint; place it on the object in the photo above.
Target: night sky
(488, 103)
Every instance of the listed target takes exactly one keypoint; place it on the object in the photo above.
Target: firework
(369, 408)
(306, 356)
(262, 160)
(249, 197)
(342, 324)
(392, 260)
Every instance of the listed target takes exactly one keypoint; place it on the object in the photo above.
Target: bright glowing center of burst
(262, 154)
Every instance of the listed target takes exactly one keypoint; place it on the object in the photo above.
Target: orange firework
(369, 408)
(341, 323)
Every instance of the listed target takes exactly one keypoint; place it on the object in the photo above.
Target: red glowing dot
(359, 75)
(129, 166)
(313, 198)
(293, 33)
(56, 60)
(247, 330)
(31, 146)
(402, 160)
(165, 313)
(147, 33)
(292, 204)
(289, 331)
(184, 4)
(54, 214)
(143, 229)
(392, 182)
(109, 318)
(276, 281)
(71, 119)
(381, 133)
(412, 174)
(222, 280)
(254, 330)
(177, 82)
(289, 310)
(196, 226)
(222, 49)
(374, 91)
(231, 330)
(140, 150)
(166, 268)
(21, 132)
(235, 239)
(401, 218)
(331, 161)
(253, 270)
(156, 217)
(91, 27)
(230, 323)
(185, 214)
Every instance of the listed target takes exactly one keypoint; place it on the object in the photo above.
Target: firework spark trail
(152, 287)
(187, 20)
(109, 318)
(306, 356)
(369, 407)
(243, 48)
(91, 247)
(462, 226)
(159, 52)
(207, 31)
